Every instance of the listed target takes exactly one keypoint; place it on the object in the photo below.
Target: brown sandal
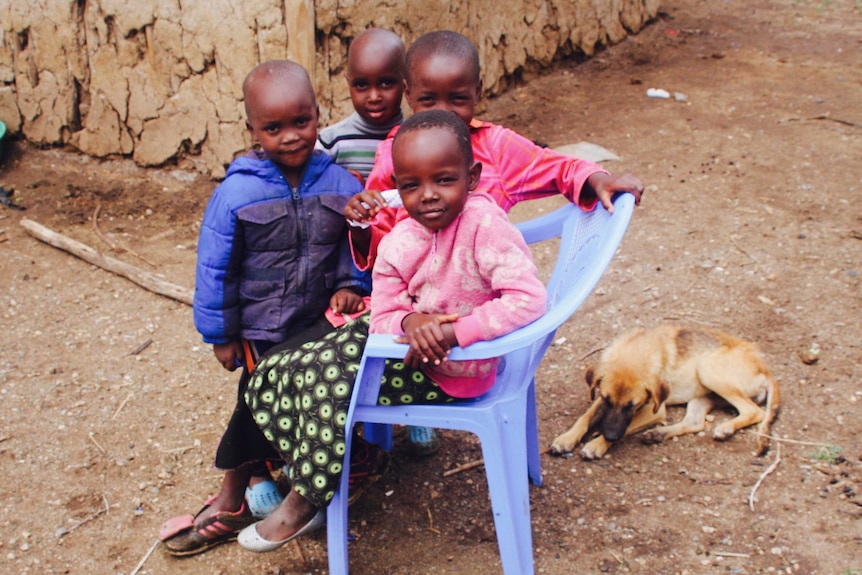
(180, 538)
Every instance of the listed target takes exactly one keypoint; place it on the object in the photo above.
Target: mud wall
(159, 80)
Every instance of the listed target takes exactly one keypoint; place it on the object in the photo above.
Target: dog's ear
(659, 394)
(592, 381)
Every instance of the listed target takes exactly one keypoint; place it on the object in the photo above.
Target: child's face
(284, 123)
(432, 177)
(376, 84)
(443, 83)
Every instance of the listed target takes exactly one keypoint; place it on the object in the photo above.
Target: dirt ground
(751, 224)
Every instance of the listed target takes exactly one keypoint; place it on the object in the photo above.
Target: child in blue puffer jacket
(272, 257)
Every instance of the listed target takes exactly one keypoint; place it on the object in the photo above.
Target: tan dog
(646, 369)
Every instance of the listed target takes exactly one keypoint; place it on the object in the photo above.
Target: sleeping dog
(644, 370)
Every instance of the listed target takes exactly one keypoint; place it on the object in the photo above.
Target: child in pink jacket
(455, 272)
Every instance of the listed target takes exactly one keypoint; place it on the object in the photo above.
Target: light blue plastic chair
(504, 419)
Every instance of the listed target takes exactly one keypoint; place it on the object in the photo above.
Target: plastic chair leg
(379, 434)
(510, 496)
(336, 521)
(534, 462)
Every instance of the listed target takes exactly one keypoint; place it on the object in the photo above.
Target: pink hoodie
(479, 267)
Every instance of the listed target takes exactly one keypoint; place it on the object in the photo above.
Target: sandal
(180, 538)
(368, 464)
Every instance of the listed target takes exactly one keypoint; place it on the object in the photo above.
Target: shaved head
(385, 44)
(443, 43)
(275, 75)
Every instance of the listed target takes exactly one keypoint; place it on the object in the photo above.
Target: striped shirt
(352, 142)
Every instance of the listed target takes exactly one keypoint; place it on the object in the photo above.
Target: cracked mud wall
(160, 80)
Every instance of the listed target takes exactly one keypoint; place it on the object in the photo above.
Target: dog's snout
(614, 425)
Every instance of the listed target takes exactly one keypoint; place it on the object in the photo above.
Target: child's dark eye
(360, 84)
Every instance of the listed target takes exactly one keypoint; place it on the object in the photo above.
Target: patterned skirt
(299, 398)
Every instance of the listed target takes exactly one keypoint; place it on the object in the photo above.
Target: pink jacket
(478, 267)
(514, 169)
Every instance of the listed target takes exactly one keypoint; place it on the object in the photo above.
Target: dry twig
(763, 475)
(144, 558)
(464, 467)
(112, 245)
(87, 519)
(142, 347)
(784, 440)
(431, 527)
(597, 350)
(731, 554)
(122, 405)
(96, 443)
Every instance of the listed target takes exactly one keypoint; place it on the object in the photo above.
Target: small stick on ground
(299, 552)
(5, 438)
(478, 463)
(178, 449)
(144, 558)
(111, 244)
(86, 520)
(431, 527)
(732, 554)
(96, 443)
(763, 475)
(122, 405)
(464, 467)
(142, 347)
(796, 441)
(597, 350)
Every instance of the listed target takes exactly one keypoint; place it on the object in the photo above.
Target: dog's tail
(773, 404)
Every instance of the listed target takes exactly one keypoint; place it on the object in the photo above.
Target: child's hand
(363, 206)
(230, 355)
(346, 301)
(606, 185)
(430, 336)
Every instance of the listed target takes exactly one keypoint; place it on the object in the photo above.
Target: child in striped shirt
(375, 74)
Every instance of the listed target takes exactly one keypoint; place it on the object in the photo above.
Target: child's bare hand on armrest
(229, 354)
(346, 301)
(604, 186)
(430, 337)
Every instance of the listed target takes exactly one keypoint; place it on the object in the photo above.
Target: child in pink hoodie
(455, 272)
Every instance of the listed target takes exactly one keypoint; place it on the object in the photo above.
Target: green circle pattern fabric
(299, 399)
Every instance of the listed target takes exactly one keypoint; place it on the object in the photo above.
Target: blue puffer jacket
(270, 257)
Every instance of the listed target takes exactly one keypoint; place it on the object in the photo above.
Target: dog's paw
(595, 449)
(722, 432)
(560, 449)
(652, 437)
(563, 444)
